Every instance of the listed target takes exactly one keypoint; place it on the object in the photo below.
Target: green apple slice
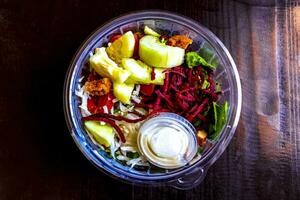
(106, 67)
(103, 134)
(157, 54)
(122, 47)
(149, 31)
(123, 91)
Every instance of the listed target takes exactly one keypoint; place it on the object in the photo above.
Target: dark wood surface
(39, 160)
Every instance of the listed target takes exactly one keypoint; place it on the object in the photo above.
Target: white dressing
(167, 142)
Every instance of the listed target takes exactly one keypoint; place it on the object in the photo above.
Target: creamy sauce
(167, 142)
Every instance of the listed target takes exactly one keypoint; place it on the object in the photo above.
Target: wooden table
(39, 160)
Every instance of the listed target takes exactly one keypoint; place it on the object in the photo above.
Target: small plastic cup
(182, 141)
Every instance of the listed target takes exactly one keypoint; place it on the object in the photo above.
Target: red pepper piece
(91, 104)
(147, 89)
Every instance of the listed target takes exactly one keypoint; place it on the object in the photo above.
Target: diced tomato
(115, 37)
(147, 90)
(91, 105)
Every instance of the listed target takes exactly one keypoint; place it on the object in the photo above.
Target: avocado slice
(103, 134)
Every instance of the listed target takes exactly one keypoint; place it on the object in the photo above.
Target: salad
(140, 74)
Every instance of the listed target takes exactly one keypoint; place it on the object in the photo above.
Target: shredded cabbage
(84, 97)
(114, 147)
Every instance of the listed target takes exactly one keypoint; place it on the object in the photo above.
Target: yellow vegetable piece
(106, 67)
(157, 54)
(140, 72)
(123, 47)
(123, 91)
(103, 134)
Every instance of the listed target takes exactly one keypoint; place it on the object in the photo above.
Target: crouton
(98, 87)
(181, 41)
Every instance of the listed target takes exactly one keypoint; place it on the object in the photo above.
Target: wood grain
(38, 159)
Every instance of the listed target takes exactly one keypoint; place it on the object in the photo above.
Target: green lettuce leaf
(220, 118)
(194, 59)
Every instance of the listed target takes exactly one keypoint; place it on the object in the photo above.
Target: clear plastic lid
(226, 73)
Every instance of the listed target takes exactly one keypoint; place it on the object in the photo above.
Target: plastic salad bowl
(226, 73)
